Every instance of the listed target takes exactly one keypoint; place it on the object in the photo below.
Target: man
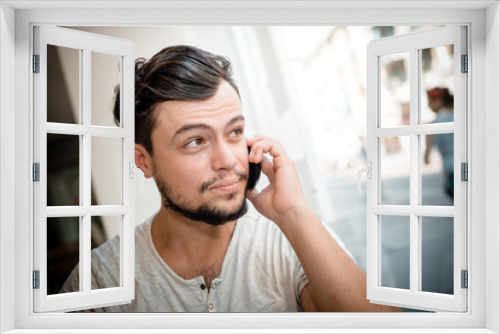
(202, 251)
(441, 102)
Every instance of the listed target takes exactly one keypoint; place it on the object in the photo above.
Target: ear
(143, 160)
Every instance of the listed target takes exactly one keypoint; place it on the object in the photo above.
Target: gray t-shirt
(260, 273)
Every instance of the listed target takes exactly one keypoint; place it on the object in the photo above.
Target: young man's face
(435, 104)
(200, 161)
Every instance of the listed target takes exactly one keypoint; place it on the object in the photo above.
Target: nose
(223, 156)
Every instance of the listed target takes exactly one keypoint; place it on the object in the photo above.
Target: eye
(194, 143)
(237, 132)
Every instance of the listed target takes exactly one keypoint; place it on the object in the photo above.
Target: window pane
(63, 250)
(437, 84)
(395, 170)
(105, 77)
(437, 254)
(106, 170)
(395, 251)
(103, 229)
(437, 169)
(63, 85)
(395, 89)
(63, 170)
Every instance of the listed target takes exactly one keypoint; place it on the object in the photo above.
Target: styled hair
(442, 94)
(176, 73)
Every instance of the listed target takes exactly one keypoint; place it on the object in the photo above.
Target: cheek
(183, 175)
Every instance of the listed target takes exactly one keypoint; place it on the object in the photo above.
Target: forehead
(215, 111)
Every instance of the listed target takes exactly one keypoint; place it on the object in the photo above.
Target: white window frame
(412, 44)
(86, 44)
(483, 21)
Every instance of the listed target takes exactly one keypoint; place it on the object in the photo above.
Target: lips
(226, 185)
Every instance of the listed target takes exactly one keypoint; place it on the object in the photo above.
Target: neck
(183, 238)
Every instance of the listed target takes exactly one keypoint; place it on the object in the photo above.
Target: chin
(235, 198)
(230, 201)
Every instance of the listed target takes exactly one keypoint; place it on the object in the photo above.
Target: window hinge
(465, 64)
(36, 172)
(465, 279)
(36, 63)
(36, 279)
(464, 171)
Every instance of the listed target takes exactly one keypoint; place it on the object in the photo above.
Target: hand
(283, 197)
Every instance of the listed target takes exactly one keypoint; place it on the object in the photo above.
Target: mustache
(207, 184)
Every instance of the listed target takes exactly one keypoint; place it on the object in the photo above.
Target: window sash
(86, 44)
(413, 298)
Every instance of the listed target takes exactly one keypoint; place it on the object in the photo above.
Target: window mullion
(414, 172)
(373, 184)
(85, 245)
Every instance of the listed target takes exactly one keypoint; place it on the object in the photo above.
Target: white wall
(492, 163)
(7, 166)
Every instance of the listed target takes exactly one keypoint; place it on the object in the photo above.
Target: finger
(252, 157)
(273, 147)
(267, 168)
(259, 154)
(254, 139)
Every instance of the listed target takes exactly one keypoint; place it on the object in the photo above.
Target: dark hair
(442, 94)
(179, 73)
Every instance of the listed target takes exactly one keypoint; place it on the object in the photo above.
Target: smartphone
(254, 173)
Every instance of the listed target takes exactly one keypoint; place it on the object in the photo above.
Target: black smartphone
(254, 173)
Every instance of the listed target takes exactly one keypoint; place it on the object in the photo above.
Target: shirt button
(202, 286)
(210, 307)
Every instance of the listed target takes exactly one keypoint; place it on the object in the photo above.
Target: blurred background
(306, 86)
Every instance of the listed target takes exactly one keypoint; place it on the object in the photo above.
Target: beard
(206, 213)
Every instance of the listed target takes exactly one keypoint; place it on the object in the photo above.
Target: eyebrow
(202, 126)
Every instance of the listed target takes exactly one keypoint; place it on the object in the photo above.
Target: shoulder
(108, 254)
(263, 232)
(444, 116)
(260, 236)
(256, 227)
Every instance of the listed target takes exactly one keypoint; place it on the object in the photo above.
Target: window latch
(132, 171)
(368, 171)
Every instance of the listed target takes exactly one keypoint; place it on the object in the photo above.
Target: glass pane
(395, 251)
(437, 169)
(63, 251)
(395, 89)
(63, 170)
(105, 78)
(437, 254)
(63, 85)
(395, 170)
(107, 257)
(437, 83)
(106, 170)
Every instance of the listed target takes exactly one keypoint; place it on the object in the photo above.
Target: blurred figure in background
(441, 102)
